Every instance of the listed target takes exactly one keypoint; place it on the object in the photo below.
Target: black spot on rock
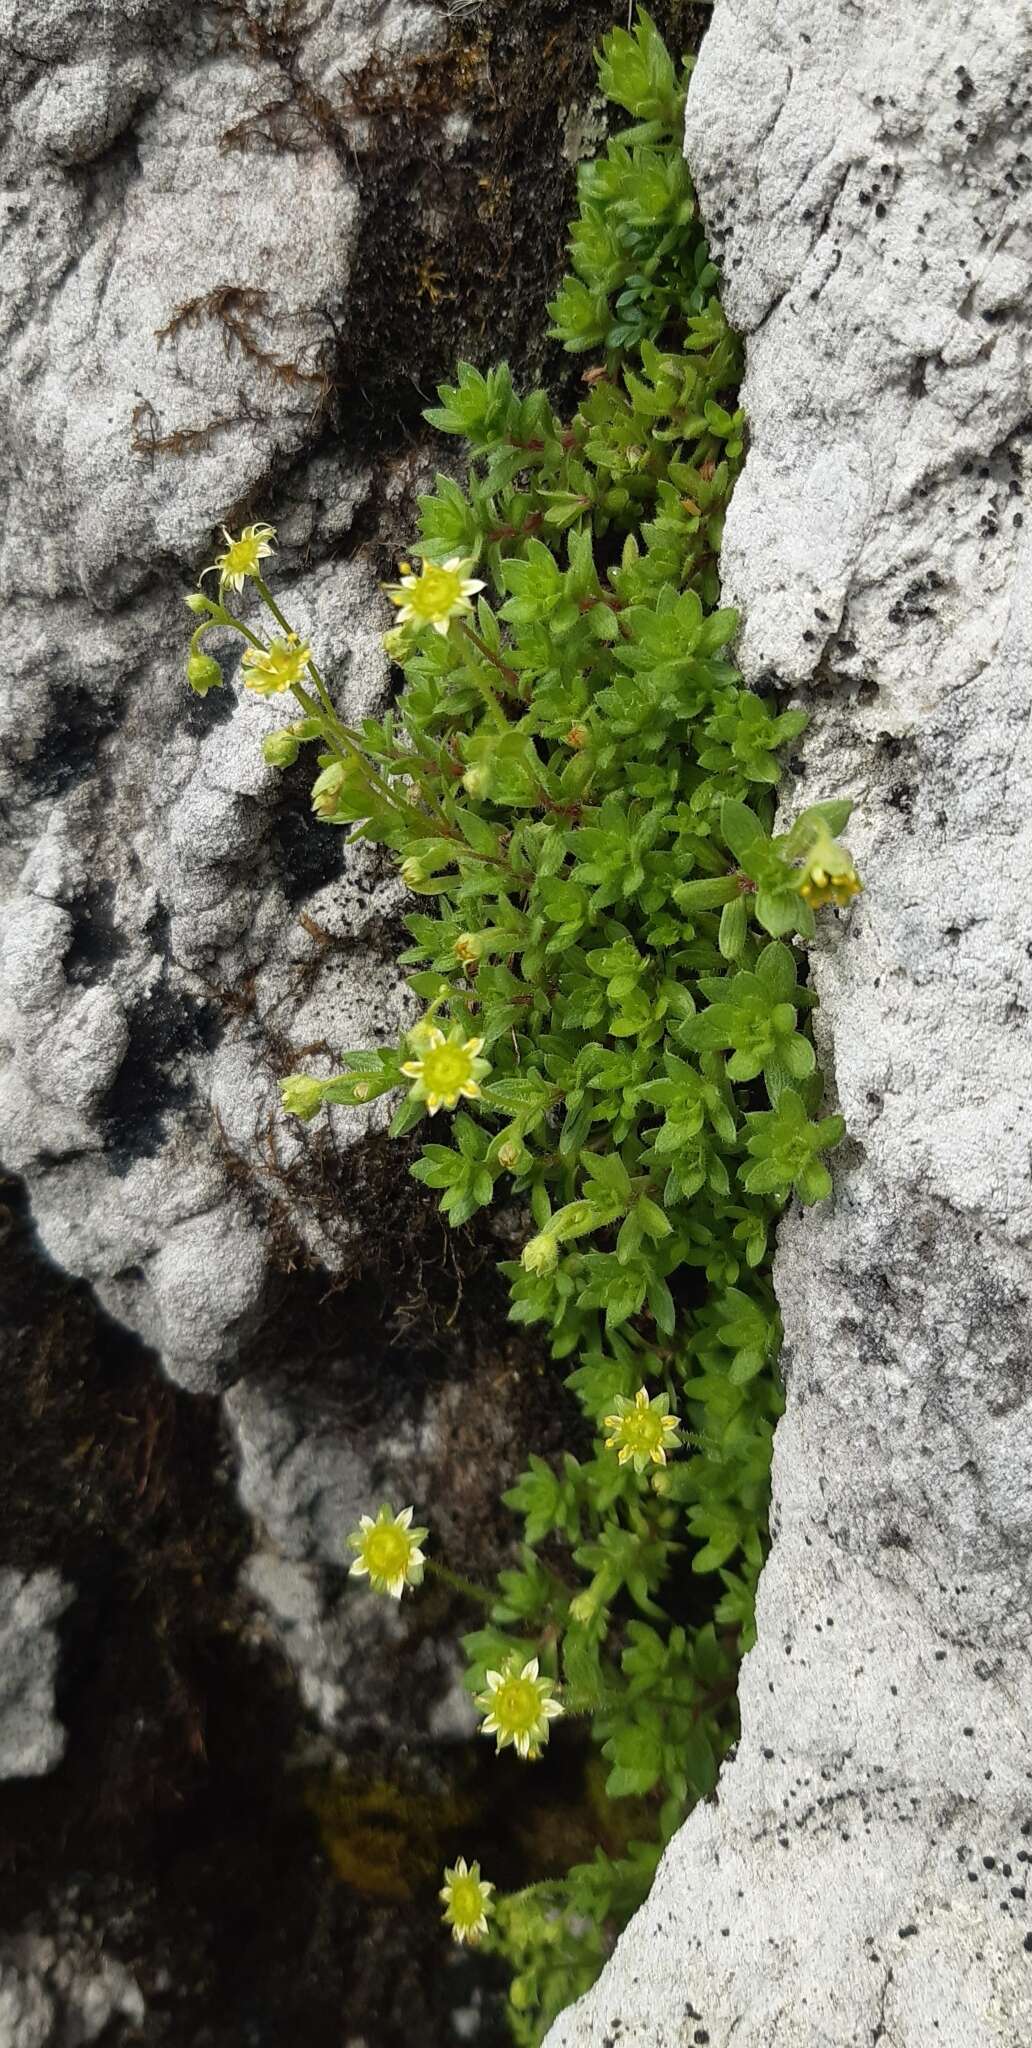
(153, 1079)
(79, 722)
(96, 943)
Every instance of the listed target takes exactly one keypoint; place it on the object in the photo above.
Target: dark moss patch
(462, 241)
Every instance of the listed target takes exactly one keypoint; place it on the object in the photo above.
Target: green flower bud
(302, 1095)
(413, 872)
(280, 749)
(540, 1254)
(203, 674)
(326, 789)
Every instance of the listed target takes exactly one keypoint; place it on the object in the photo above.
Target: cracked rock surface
(169, 302)
(863, 1875)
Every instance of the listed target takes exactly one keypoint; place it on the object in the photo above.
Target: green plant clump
(581, 792)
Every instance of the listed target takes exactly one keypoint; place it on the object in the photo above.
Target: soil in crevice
(464, 160)
(250, 1893)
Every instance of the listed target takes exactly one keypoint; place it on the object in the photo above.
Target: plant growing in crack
(578, 786)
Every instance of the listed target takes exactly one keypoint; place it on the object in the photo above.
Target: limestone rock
(155, 978)
(172, 285)
(32, 1739)
(308, 1470)
(59, 1991)
(863, 1873)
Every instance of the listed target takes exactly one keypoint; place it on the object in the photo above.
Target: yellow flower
(828, 874)
(467, 1901)
(241, 557)
(641, 1433)
(445, 1069)
(818, 887)
(518, 1706)
(276, 667)
(388, 1549)
(440, 592)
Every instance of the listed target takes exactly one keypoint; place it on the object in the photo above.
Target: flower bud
(477, 780)
(424, 1032)
(828, 874)
(413, 872)
(468, 946)
(509, 1155)
(540, 1254)
(302, 1095)
(326, 789)
(577, 736)
(203, 673)
(585, 1607)
(280, 749)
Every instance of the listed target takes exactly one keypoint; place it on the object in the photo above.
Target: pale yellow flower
(276, 667)
(441, 592)
(818, 887)
(388, 1549)
(828, 874)
(445, 1069)
(467, 1901)
(242, 557)
(518, 1707)
(641, 1433)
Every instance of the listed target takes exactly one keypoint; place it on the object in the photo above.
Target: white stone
(32, 1739)
(151, 902)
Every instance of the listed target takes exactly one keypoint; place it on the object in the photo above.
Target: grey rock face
(863, 1874)
(168, 299)
(306, 1476)
(58, 1992)
(32, 1739)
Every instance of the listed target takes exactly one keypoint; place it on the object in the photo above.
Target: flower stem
(458, 1584)
(511, 675)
